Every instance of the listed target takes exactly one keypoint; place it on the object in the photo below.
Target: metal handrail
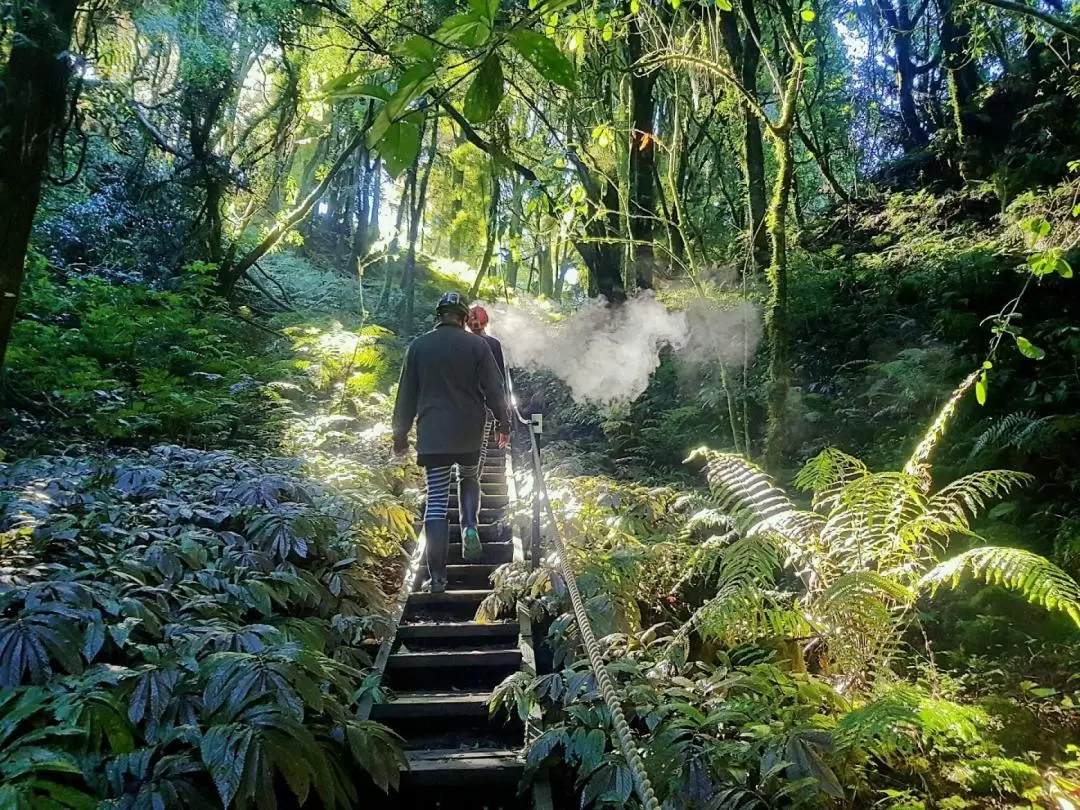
(634, 762)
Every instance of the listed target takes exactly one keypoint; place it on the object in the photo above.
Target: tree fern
(1038, 579)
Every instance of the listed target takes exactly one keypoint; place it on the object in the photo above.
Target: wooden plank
(433, 705)
(441, 659)
(475, 630)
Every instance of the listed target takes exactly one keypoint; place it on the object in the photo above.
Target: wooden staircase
(443, 667)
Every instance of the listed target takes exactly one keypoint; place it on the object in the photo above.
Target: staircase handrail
(634, 762)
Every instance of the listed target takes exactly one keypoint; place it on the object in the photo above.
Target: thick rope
(596, 660)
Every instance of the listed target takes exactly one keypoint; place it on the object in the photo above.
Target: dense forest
(790, 283)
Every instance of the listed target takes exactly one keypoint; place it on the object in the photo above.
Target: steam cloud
(606, 355)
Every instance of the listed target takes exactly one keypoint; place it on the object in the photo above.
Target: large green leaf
(487, 9)
(467, 30)
(413, 83)
(486, 91)
(544, 55)
(400, 146)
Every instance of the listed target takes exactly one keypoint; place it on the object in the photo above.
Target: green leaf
(1036, 226)
(980, 389)
(1063, 268)
(624, 785)
(987, 365)
(808, 15)
(400, 147)
(341, 81)
(487, 9)
(468, 30)
(416, 47)
(414, 82)
(545, 56)
(486, 92)
(1028, 349)
(723, 5)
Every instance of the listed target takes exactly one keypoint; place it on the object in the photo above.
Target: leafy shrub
(183, 628)
(138, 364)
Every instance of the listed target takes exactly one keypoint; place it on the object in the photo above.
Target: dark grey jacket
(448, 377)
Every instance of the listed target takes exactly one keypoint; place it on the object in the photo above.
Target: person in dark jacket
(477, 323)
(449, 381)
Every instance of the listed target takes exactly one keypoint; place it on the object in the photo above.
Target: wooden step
(486, 501)
(474, 670)
(446, 659)
(486, 515)
(492, 554)
(492, 533)
(460, 596)
(429, 704)
(451, 767)
(464, 576)
(465, 635)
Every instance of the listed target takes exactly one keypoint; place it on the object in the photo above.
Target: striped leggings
(438, 488)
(489, 425)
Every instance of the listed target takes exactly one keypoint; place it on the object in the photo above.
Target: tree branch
(1042, 16)
(230, 275)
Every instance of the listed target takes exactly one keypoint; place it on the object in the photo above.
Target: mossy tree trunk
(777, 319)
(33, 99)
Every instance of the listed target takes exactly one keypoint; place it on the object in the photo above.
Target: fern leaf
(826, 473)
(1012, 430)
(968, 496)
(754, 502)
(918, 465)
(1038, 579)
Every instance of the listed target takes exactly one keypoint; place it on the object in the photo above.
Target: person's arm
(494, 390)
(406, 403)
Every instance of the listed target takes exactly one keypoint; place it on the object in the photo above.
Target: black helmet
(453, 302)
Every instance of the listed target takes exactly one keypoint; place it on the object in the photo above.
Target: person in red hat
(477, 323)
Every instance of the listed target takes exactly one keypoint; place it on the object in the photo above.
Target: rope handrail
(634, 762)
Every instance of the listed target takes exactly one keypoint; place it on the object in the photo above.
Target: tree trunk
(492, 234)
(745, 53)
(962, 69)
(33, 96)
(642, 161)
(416, 215)
(777, 322)
(900, 24)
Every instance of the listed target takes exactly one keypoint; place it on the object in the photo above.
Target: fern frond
(754, 502)
(918, 466)
(851, 592)
(749, 562)
(1018, 430)
(738, 616)
(965, 497)
(827, 473)
(861, 611)
(865, 527)
(899, 720)
(1038, 579)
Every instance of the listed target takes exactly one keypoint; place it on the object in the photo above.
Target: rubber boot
(469, 510)
(438, 549)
